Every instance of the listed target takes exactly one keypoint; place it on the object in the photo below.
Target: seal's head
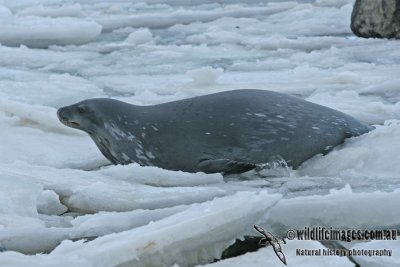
(83, 115)
(101, 119)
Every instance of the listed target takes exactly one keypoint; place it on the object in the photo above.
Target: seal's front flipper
(225, 166)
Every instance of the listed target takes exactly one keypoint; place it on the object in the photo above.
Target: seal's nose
(60, 115)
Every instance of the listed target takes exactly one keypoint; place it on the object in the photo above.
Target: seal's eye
(81, 109)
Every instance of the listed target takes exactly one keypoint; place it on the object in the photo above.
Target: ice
(158, 177)
(34, 135)
(363, 156)
(19, 5)
(89, 198)
(104, 223)
(41, 32)
(266, 256)
(54, 90)
(140, 36)
(207, 226)
(62, 203)
(32, 240)
(73, 10)
(5, 15)
(338, 209)
(84, 190)
(165, 20)
(369, 261)
(49, 203)
(350, 102)
(11, 258)
(205, 75)
(23, 200)
(175, 230)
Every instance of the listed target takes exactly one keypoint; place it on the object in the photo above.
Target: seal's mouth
(73, 124)
(65, 120)
(69, 123)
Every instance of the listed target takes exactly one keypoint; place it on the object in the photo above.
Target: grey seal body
(228, 132)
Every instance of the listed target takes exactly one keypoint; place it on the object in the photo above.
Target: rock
(376, 18)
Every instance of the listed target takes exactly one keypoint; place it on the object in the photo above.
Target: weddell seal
(228, 132)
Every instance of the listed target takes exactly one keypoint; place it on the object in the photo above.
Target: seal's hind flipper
(225, 166)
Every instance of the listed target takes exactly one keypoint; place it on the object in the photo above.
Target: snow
(63, 203)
